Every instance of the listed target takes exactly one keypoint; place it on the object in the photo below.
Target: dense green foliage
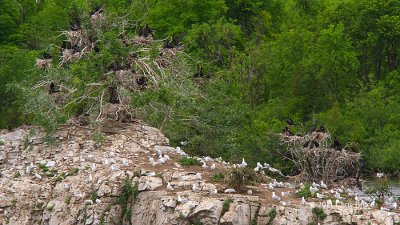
(330, 62)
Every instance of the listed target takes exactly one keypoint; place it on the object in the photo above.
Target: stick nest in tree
(320, 162)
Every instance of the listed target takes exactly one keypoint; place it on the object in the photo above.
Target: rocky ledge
(82, 175)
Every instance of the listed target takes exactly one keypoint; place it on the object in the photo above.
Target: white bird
(98, 201)
(230, 190)
(275, 197)
(125, 162)
(50, 164)
(303, 201)
(275, 171)
(259, 165)
(212, 166)
(329, 203)
(94, 167)
(363, 204)
(283, 203)
(337, 202)
(392, 205)
(266, 166)
(323, 185)
(181, 199)
(151, 174)
(196, 188)
(380, 175)
(249, 192)
(313, 190)
(159, 153)
(198, 176)
(373, 203)
(285, 193)
(256, 169)
(192, 205)
(89, 201)
(161, 160)
(114, 168)
(213, 191)
(38, 176)
(169, 187)
(315, 185)
(243, 164)
(320, 196)
(90, 177)
(271, 186)
(166, 158)
(152, 162)
(204, 165)
(29, 168)
(337, 196)
(183, 143)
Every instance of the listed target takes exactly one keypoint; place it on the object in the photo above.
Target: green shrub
(319, 213)
(241, 177)
(186, 161)
(218, 177)
(305, 192)
(98, 137)
(227, 204)
(271, 215)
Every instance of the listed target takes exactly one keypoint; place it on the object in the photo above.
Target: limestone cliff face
(76, 178)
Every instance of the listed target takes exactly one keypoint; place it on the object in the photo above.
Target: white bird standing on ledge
(243, 165)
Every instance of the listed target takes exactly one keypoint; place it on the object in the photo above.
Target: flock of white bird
(318, 190)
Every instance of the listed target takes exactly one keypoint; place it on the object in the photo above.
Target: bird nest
(43, 63)
(317, 160)
(118, 112)
(128, 80)
(69, 56)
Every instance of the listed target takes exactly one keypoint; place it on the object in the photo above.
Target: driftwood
(322, 162)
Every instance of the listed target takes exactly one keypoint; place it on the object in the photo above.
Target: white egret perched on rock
(150, 174)
(320, 196)
(313, 190)
(303, 201)
(169, 187)
(323, 185)
(212, 166)
(213, 191)
(275, 197)
(181, 199)
(315, 185)
(329, 203)
(275, 171)
(243, 164)
(29, 168)
(196, 188)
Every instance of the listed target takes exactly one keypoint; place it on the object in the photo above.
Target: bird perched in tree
(321, 129)
(336, 145)
(289, 121)
(199, 72)
(46, 55)
(113, 95)
(147, 31)
(141, 81)
(53, 88)
(313, 128)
